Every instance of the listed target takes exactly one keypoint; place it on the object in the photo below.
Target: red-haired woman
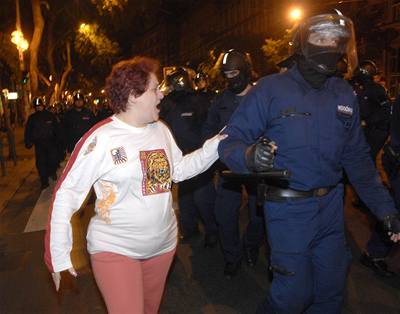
(131, 160)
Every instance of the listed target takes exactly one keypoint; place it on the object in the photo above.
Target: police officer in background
(311, 120)
(104, 111)
(77, 121)
(42, 130)
(185, 115)
(374, 106)
(391, 155)
(375, 121)
(237, 70)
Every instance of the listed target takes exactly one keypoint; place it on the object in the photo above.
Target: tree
(108, 6)
(92, 43)
(38, 22)
(275, 50)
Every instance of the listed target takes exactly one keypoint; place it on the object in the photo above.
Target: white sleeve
(79, 175)
(190, 165)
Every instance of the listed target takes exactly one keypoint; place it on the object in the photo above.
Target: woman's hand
(57, 277)
(222, 136)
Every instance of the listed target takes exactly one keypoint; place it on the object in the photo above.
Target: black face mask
(313, 77)
(238, 83)
(323, 60)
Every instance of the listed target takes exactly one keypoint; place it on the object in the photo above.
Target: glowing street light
(84, 28)
(295, 14)
(18, 39)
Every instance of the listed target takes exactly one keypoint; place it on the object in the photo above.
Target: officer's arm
(246, 125)
(362, 173)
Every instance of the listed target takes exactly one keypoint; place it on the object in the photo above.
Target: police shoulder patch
(345, 110)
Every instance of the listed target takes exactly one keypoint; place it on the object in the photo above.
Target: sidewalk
(15, 175)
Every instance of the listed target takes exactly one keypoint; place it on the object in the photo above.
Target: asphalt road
(195, 284)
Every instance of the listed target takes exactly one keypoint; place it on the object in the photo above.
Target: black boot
(378, 265)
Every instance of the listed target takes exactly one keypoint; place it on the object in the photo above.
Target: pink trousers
(131, 286)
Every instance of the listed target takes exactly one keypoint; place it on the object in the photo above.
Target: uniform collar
(295, 73)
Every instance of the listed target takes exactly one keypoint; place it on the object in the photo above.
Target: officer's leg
(375, 139)
(255, 231)
(227, 205)
(188, 217)
(52, 161)
(204, 197)
(41, 165)
(331, 256)
(291, 227)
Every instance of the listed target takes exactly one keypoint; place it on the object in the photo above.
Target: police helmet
(37, 101)
(236, 60)
(179, 80)
(322, 38)
(368, 68)
(79, 96)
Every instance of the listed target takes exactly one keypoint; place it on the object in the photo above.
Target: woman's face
(146, 105)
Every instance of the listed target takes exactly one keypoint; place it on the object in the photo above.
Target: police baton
(264, 179)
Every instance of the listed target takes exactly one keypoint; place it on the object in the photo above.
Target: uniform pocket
(295, 129)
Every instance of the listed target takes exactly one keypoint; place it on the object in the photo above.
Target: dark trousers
(46, 161)
(227, 205)
(196, 202)
(376, 138)
(309, 255)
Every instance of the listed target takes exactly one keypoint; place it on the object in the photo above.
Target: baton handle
(273, 173)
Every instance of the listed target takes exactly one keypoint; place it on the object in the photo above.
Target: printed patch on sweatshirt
(119, 155)
(91, 146)
(156, 172)
(108, 197)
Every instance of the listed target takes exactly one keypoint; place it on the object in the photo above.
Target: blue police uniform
(393, 169)
(318, 134)
(229, 192)
(391, 161)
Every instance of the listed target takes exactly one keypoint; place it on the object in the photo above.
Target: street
(195, 284)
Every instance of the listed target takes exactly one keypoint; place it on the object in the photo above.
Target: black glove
(391, 223)
(260, 156)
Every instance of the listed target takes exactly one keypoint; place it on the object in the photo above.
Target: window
(396, 11)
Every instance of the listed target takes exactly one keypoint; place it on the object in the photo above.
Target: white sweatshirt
(132, 170)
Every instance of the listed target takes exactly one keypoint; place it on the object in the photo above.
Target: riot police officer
(375, 119)
(237, 70)
(374, 106)
(42, 130)
(311, 121)
(77, 121)
(104, 111)
(185, 112)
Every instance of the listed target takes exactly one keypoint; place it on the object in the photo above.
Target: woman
(131, 160)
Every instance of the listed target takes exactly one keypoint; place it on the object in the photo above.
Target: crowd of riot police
(55, 130)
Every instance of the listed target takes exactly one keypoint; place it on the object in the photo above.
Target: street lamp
(18, 39)
(295, 14)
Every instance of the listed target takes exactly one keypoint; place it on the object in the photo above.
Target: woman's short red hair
(129, 77)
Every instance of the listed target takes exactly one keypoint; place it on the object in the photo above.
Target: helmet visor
(329, 33)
